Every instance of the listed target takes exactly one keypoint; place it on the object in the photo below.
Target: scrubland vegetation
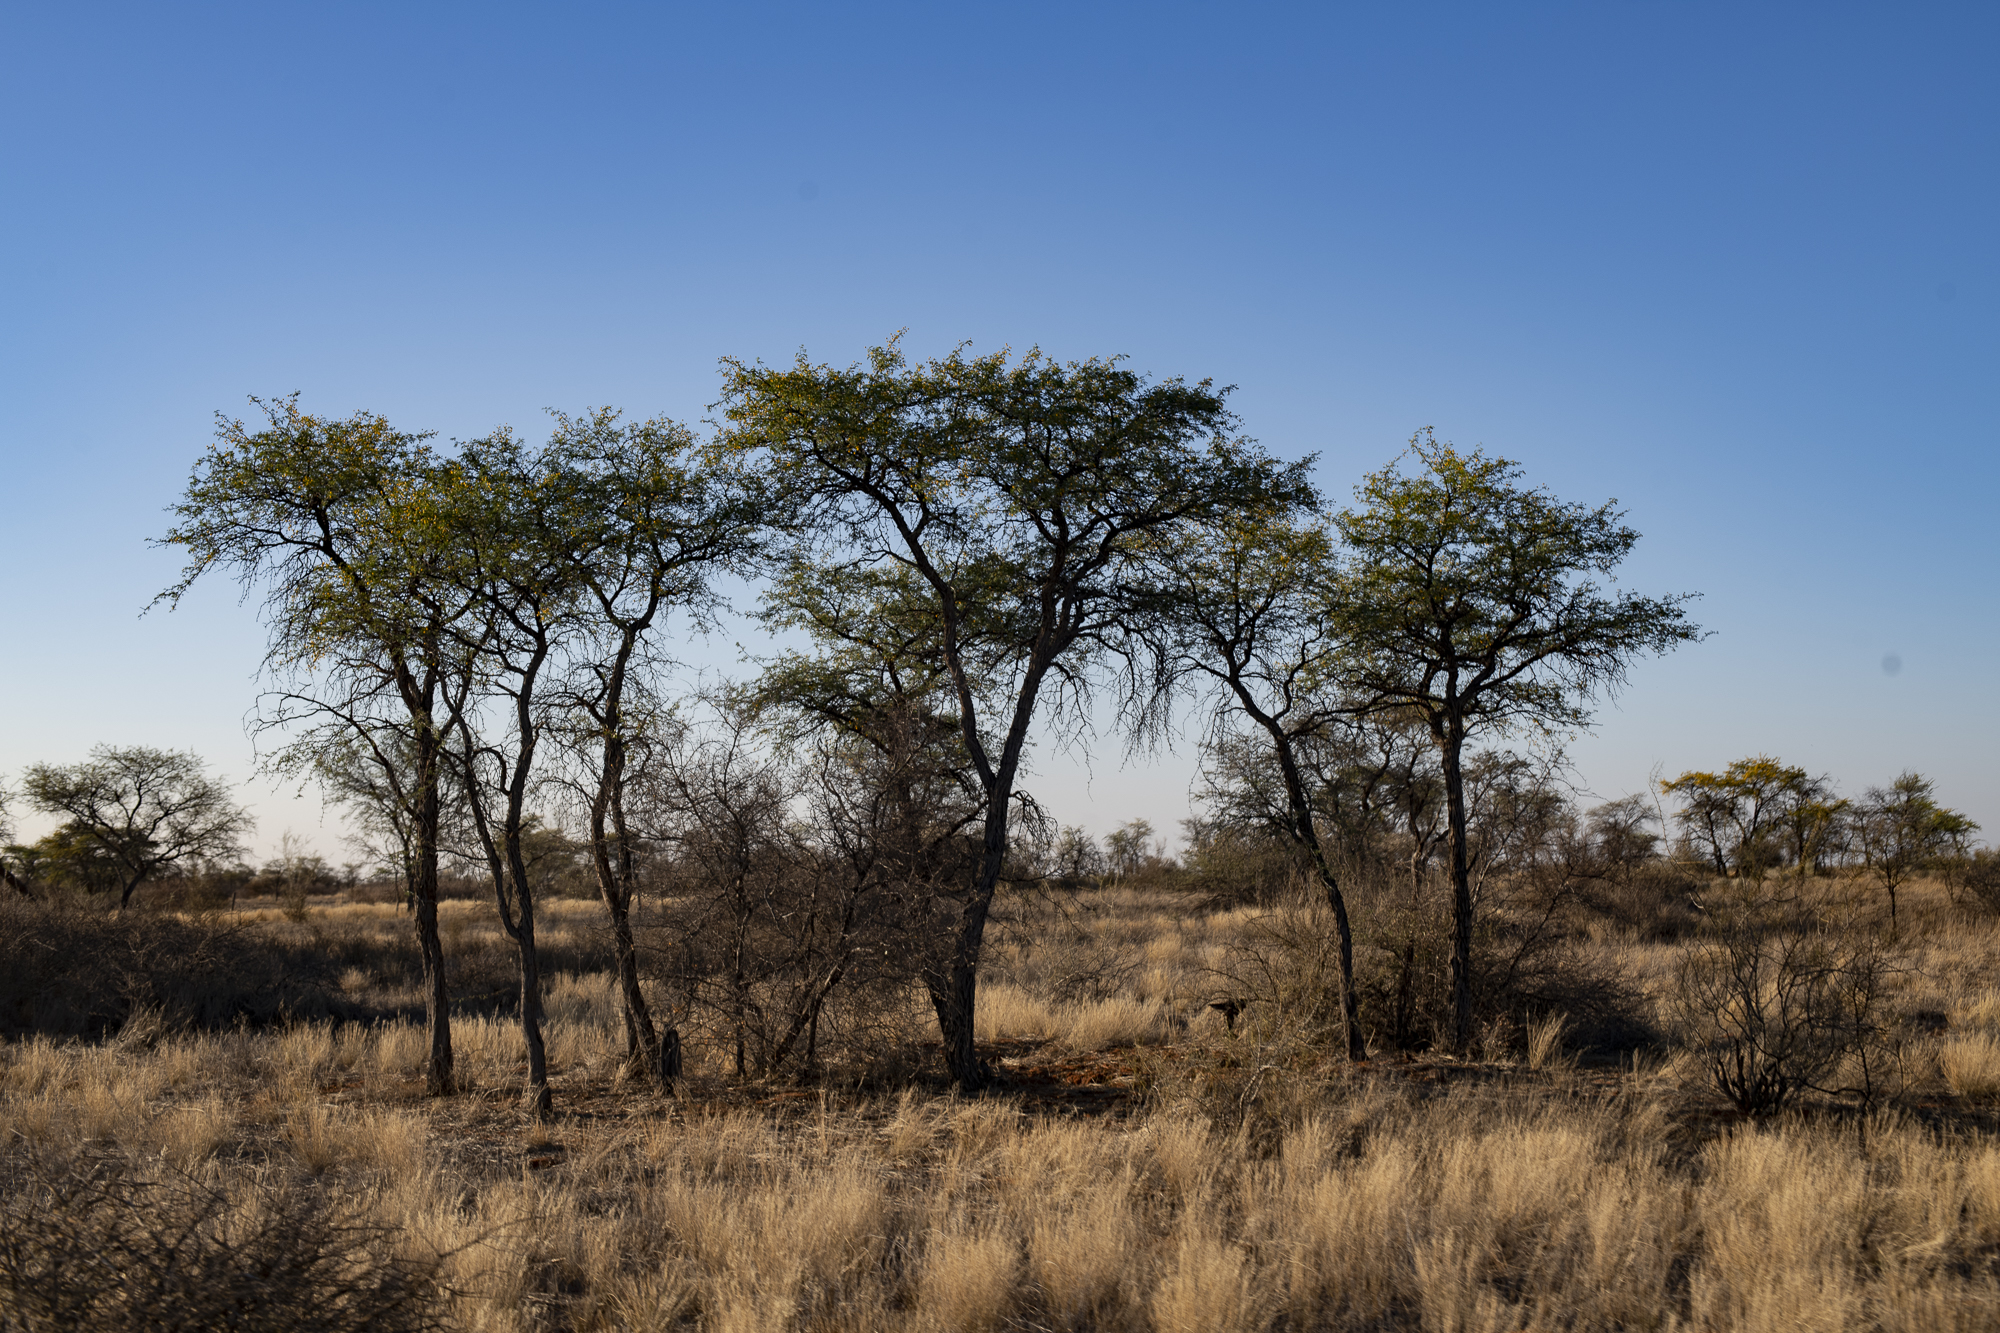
(1135, 1162)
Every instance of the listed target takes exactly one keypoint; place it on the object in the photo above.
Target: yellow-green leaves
(1467, 592)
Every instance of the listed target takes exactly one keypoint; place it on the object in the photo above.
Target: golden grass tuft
(1970, 1063)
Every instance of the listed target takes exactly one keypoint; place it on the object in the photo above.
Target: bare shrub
(97, 1244)
(795, 943)
(1779, 997)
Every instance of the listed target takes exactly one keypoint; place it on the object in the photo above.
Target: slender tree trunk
(1307, 835)
(1405, 994)
(617, 881)
(535, 1097)
(439, 1078)
(1461, 891)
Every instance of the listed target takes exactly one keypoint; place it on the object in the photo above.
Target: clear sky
(1733, 265)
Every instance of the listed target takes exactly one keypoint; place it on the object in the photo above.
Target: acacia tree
(1902, 828)
(371, 780)
(1001, 508)
(507, 520)
(7, 871)
(1812, 821)
(140, 811)
(651, 517)
(1242, 607)
(1472, 602)
(1740, 811)
(338, 522)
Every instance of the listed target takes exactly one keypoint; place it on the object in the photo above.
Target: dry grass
(1530, 1193)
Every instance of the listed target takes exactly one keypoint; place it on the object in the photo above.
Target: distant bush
(69, 970)
(1522, 973)
(1979, 872)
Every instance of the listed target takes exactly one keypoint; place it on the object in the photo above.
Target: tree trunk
(1452, 745)
(954, 996)
(439, 1080)
(536, 1098)
(1304, 833)
(642, 1042)
(1405, 995)
(616, 886)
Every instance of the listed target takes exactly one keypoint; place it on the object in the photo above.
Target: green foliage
(969, 538)
(1476, 600)
(973, 526)
(1758, 813)
(1902, 829)
(1474, 603)
(133, 813)
(68, 860)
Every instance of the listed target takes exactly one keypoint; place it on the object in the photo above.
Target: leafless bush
(101, 1245)
(801, 891)
(1778, 998)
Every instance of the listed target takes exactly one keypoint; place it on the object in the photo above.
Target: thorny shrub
(107, 1245)
(1783, 996)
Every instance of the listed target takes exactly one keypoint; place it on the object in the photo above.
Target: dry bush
(104, 1244)
(1979, 873)
(1284, 966)
(1653, 900)
(1228, 866)
(76, 971)
(1780, 998)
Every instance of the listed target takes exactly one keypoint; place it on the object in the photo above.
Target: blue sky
(1734, 265)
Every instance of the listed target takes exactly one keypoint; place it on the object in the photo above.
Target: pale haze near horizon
(1734, 269)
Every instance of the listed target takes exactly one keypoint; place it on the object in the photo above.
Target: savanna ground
(1136, 1165)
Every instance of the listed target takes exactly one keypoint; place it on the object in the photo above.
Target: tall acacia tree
(1474, 603)
(507, 519)
(338, 522)
(1242, 606)
(652, 517)
(1004, 507)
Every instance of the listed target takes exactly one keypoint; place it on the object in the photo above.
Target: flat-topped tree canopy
(1001, 508)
